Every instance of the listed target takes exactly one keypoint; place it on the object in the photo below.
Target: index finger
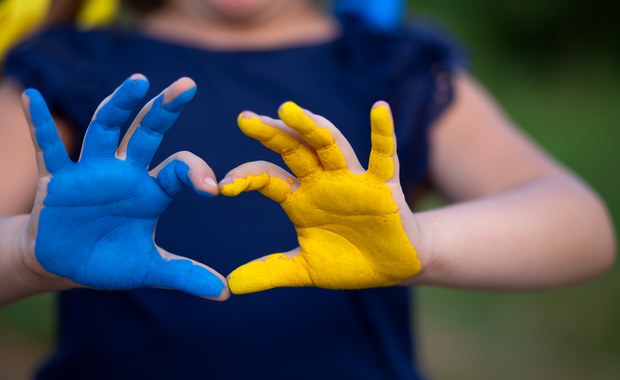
(298, 157)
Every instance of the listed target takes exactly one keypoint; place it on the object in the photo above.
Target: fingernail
(226, 181)
(136, 83)
(176, 104)
(246, 115)
(210, 181)
(137, 76)
(212, 184)
(381, 103)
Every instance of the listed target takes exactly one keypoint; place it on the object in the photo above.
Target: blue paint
(96, 226)
(54, 153)
(102, 137)
(174, 176)
(147, 138)
(378, 14)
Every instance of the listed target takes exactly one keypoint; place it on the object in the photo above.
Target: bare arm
(19, 278)
(17, 154)
(521, 222)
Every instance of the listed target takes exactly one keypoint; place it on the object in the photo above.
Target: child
(520, 220)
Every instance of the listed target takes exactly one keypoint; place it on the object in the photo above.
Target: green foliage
(553, 67)
(551, 29)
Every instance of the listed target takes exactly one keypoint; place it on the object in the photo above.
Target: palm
(349, 226)
(113, 205)
(340, 236)
(95, 219)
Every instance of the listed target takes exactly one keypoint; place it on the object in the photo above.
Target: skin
(531, 227)
(223, 25)
(349, 221)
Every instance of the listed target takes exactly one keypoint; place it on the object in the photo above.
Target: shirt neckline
(142, 35)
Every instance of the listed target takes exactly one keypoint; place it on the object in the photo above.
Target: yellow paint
(271, 187)
(296, 155)
(18, 18)
(96, 13)
(319, 138)
(349, 228)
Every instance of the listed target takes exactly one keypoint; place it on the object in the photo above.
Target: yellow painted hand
(349, 221)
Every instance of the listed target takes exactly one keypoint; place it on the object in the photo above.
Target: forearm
(545, 233)
(18, 274)
(14, 281)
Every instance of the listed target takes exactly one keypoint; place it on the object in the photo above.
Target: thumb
(271, 271)
(189, 276)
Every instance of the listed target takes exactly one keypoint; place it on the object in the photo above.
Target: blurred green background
(555, 67)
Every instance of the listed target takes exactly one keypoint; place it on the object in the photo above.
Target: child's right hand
(93, 221)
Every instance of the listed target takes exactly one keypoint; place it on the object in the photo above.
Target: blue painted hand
(94, 220)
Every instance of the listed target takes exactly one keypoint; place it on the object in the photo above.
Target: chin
(241, 9)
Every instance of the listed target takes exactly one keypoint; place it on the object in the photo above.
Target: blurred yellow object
(17, 18)
(20, 17)
(96, 13)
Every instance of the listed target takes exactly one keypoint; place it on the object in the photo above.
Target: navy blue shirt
(303, 333)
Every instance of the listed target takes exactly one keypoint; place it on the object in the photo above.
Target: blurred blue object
(378, 14)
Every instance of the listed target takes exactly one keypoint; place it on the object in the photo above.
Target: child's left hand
(354, 227)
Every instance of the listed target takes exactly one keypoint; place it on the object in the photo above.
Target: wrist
(28, 276)
(419, 230)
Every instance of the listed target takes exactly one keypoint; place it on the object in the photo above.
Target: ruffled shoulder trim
(412, 68)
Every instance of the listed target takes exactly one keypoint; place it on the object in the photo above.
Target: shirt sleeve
(63, 65)
(413, 69)
(421, 90)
